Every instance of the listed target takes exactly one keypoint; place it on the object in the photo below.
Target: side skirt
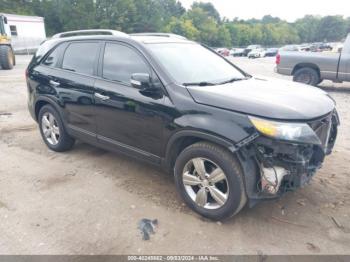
(113, 145)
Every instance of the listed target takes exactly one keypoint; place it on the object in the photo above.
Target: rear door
(126, 117)
(74, 84)
(66, 77)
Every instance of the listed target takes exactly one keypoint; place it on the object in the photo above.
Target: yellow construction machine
(7, 56)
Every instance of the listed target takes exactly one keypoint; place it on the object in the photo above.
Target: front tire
(6, 57)
(306, 75)
(52, 130)
(210, 180)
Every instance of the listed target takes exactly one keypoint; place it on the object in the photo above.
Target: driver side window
(120, 62)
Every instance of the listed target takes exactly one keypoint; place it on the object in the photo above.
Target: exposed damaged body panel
(273, 167)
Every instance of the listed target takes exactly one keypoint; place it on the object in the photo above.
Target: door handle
(54, 83)
(102, 97)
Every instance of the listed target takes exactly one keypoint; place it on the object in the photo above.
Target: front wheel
(306, 75)
(210, 180)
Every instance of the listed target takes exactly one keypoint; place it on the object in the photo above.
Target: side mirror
(141, 81)
(5, 20)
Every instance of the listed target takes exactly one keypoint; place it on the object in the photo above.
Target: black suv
(228, 138)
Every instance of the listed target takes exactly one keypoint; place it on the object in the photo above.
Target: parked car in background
(294, 48)
(271, 52)
(304, 47)
(257, 53)
(250, 48)
(237, 52)
(320, 47)
(337, 47)
(326, 47)
(226, 137)
(311, 68)
(223, 51)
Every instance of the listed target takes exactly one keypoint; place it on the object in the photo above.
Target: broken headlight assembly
(276, 163)
(288, 131)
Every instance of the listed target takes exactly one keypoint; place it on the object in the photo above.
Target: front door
(127, 118)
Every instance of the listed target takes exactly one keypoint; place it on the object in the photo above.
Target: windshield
(192, 63)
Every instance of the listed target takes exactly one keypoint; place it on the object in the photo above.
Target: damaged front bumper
(273, 167)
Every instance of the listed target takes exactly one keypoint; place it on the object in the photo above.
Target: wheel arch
(41, 102)
(182, 139)
(307, 65)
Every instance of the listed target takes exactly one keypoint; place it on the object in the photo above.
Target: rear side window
(53, 58)
(80, 57)
(120, 62)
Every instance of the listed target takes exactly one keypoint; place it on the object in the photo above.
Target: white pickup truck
(312, 68)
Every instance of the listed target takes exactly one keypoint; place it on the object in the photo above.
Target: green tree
(171, 8)
(21, 7)
(208, 8)
(202, 22)
(75, 14)
(307, 28)
(115, 14)
(268, 19)
(331, 28)
(182, 27)
(223, 37)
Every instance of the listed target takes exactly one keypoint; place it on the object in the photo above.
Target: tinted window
(80, 57)
(52, 59)
(120, 62)
(192, 63)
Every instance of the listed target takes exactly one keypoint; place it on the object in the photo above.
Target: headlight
(297, 132)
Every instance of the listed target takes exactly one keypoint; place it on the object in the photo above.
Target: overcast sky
(289, 10)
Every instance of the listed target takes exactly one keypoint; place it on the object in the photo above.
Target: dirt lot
(89, 201)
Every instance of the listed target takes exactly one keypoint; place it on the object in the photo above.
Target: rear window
(44, 48)
(80, 57)
(53, 58)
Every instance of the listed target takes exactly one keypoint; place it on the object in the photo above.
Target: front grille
(322, 129)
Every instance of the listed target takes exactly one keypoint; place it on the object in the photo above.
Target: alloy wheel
(50, 128)
(205, 183)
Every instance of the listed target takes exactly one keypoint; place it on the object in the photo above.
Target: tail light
(278, 59)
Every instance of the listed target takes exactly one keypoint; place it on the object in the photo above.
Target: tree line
(201, 22)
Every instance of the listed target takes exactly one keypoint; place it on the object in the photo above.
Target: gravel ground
(89, 201)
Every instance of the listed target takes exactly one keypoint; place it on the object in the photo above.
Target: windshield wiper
(234, 79)
(199, 84)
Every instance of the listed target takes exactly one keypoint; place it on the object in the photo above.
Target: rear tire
(6, 57)
(52, 130)
(307, 75)
(232, 186)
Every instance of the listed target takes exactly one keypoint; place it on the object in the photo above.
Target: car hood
(266, 97)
